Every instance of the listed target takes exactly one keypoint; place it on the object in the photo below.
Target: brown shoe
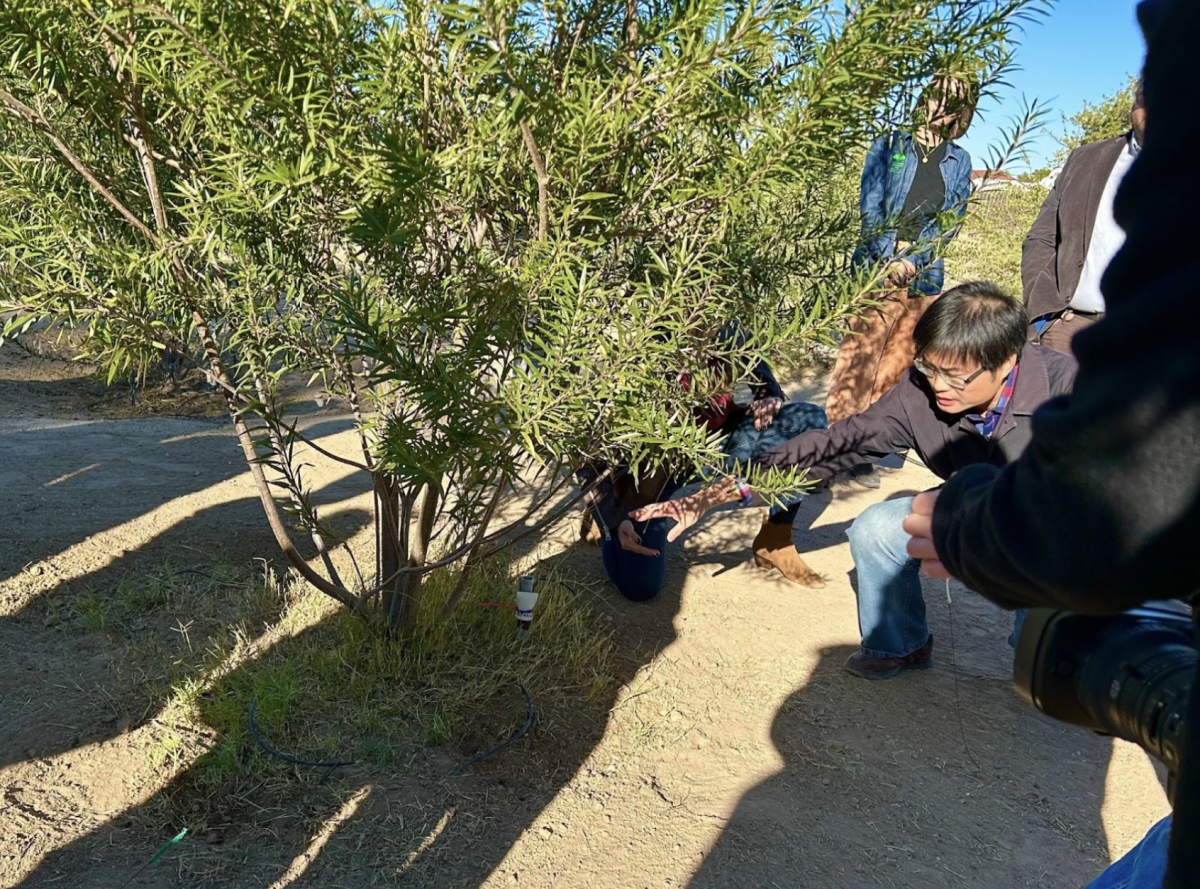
(589, 528)
(773, 549)
(864, 666)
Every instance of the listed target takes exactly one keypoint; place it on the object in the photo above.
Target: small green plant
(92, 611)
(378, 751)
(438, 730)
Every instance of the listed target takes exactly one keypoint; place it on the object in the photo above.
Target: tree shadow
(380, 819)
(102, 503)
(70, 481)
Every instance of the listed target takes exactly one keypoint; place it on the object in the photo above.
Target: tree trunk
(390, 551)
(395, 549)
(409, 592)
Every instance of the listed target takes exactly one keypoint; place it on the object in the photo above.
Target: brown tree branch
(469, 563)
(543, 180)
(270, 507)
(35, 119)
(293, 483)
(426, 514)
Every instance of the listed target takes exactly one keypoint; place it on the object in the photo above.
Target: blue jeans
(891, 609)
(1143, 867)
(639, 577)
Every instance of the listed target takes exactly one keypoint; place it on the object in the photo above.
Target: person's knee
(636, 577)
(803, 416)
(880, 526)
(638, 589)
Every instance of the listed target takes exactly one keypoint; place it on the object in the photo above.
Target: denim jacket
(881, 200)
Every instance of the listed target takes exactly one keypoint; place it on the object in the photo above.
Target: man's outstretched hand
(919, 523)
(686, 511)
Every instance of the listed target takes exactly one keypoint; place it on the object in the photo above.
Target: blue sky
(1082, 51)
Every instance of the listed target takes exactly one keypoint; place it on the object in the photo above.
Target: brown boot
(773, 549)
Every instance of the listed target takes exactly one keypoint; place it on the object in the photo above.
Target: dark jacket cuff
(962, 492)
(766, 385)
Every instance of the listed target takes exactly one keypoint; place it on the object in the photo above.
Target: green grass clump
(341, 689)
(988, 246)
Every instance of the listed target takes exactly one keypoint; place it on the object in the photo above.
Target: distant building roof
(993, 175)
(986, 180)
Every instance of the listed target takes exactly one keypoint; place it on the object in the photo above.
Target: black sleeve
(765, 385)
(1103, 511)
(883, 428)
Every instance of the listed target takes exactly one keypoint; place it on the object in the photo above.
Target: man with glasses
(967, 400)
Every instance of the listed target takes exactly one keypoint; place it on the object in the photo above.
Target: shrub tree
(499, 232)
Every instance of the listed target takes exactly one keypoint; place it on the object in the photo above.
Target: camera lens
(1128, 675)
(1136, 682)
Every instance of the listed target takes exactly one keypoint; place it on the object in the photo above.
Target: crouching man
(967, 399)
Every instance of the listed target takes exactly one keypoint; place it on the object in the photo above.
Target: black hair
(976, 322)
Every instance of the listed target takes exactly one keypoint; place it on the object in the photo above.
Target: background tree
(498, 232)
(1103, 120)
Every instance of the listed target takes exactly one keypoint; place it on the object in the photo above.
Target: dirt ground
(736, 751)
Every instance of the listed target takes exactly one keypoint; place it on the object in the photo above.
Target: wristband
(744, 491)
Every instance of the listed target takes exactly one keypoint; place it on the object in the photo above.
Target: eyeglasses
(958, 383)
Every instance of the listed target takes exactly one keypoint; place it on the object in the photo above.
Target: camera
(1127, 675)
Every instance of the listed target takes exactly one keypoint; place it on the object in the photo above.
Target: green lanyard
(898, 158)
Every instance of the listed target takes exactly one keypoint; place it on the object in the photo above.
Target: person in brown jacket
(1075, 236)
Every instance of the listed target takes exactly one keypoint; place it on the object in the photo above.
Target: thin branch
(270, 507)
(146, 159)
(199, 47)
(469, 563)
(548, 520)
(535, 155)
(40, 123)
(346, 369)
(292, 481)
(543, 180)
(346, 461)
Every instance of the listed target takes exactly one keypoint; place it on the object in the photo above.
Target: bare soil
(733, 750)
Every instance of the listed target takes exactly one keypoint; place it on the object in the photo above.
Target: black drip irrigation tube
(329, 765)
(476, 760)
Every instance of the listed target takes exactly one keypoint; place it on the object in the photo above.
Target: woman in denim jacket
(913, 197)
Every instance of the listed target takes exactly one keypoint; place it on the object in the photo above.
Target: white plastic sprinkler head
(526, 600)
